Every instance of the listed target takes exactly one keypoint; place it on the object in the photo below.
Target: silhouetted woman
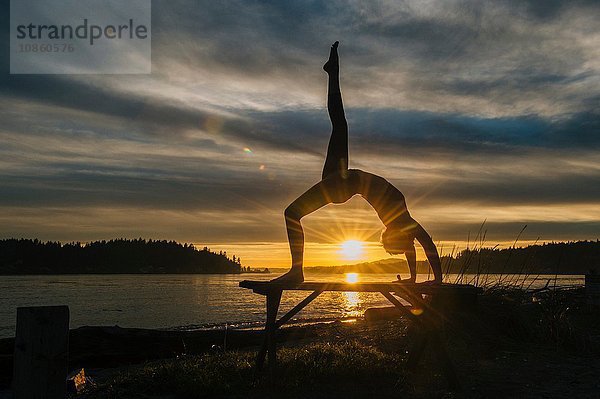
(339, 184)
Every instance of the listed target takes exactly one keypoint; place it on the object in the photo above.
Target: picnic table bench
(427, 313)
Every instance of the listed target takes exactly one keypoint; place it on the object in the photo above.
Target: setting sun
(351, 277)
(352, 249)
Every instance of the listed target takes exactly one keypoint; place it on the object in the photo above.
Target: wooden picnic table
(429, 318)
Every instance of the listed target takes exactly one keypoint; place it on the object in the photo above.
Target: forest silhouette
(119, 256)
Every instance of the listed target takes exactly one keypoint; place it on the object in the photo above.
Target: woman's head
(396, 241)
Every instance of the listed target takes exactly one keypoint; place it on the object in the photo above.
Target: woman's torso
(387, 200)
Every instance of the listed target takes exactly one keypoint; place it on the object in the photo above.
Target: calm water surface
(182, 301)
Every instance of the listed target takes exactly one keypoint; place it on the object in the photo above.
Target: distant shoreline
(119, 256)
(24, 257)
(278, 271)
(119, 274)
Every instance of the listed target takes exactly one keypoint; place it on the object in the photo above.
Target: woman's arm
(411, 259)
(430, 251)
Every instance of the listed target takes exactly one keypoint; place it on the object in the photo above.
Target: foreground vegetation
(317, 369)
(516, 344)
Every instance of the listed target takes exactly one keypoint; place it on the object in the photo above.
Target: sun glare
(351, 277)
(352, 249)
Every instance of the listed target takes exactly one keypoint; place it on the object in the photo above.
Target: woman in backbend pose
(339, 184)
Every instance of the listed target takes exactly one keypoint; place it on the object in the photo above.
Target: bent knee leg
(292, 212)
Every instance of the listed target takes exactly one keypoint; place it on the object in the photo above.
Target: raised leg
(337, 150)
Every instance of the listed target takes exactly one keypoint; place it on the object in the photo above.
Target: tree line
(118, 256)
(579, 257)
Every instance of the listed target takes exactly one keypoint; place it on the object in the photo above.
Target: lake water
(185, 301)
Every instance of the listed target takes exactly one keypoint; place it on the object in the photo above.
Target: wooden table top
(420, 288)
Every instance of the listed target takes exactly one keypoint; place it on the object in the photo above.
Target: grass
(317, 370)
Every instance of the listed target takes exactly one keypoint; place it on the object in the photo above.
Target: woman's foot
(332, 65)
(293, 277)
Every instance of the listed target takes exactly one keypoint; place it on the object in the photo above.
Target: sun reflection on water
(351, 304)
(351, 300)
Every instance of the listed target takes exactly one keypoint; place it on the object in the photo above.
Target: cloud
(493, 60)
(109, 159)
(482, 106)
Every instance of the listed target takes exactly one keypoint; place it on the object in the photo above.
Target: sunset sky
(476, 111)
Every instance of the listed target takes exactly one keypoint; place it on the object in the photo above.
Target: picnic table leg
(273, 299)
(417, 349)
(439, 346)
(432, 331)
(436, 325)
(260, 357)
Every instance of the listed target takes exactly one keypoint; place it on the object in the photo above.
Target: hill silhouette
(552, 258)
(119, 256)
